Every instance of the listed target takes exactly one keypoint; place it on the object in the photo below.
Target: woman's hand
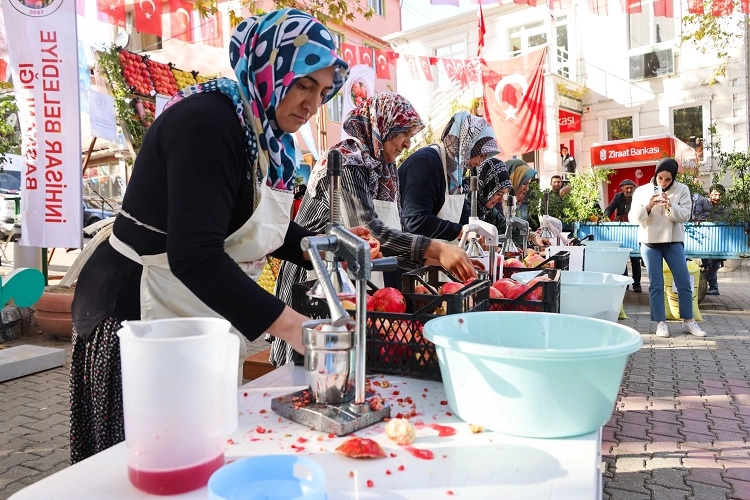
(452, 258)
(288, 327)
(364, 233)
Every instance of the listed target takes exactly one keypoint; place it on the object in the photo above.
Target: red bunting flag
(560, 4)
(411, 61)
(695, 7)
(444, 2)
(349, 54)
(81, 7)
(425, 63)
(381, 67)
(631, 6)
(721, 8)
(180, 20)
(664, 8)
(745, 6)
(514, 102)
(148, 16)
(530, 3)
(482, 31)
(598, 7)
(111, 12)
(211, 30)
(365, 56)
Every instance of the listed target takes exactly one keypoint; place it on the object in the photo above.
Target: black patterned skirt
(96, 418)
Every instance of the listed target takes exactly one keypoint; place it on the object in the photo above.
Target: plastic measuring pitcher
(179, 388)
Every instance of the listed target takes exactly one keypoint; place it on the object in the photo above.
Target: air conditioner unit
(652, 64)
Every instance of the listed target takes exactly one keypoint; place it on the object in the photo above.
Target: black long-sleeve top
(422, 184)
(191, 179)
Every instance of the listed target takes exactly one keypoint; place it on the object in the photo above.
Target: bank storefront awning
(643, 151)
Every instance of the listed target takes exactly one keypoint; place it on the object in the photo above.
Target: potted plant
(52, 311)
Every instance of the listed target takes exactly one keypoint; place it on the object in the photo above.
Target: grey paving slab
(680, 427)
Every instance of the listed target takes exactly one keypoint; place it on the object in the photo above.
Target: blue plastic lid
(268, 477)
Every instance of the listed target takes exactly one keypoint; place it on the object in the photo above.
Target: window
(454, 51)
(620, 128)
(377, 6)
(562, 61)
(688, 126)
(104, 181)
(334, 108)
(338, 38)
(645, 29)
(526, 37)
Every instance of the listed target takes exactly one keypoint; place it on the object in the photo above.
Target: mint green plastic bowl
(540, 375)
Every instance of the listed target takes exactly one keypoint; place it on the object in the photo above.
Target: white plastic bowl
(602, 243)
(594, 295)
(540, 375)
(601, 259)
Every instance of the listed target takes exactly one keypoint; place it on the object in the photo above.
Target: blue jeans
(674, 254)
(711, 267)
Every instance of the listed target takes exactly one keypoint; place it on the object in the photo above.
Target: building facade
(609, 79)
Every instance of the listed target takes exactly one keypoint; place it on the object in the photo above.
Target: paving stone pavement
(680, 427)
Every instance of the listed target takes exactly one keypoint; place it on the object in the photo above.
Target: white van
(10, 187)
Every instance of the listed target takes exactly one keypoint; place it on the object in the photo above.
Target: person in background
(617, 211)
(493, 183)
(711, 208)
(661, 208)
(556, 207)
(567, 161)
(166, 255)
(521, 175)
(299, 193)
(432, 179)
(380, 129)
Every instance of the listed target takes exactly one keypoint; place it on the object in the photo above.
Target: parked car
(96, 209)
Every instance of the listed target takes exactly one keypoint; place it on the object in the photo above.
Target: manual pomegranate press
(335, 400)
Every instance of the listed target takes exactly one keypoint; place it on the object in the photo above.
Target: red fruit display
(374, 246)
(164, 80)
(136, 74)
(503, 285)
(517, 291)
(451, 287)
(389, 299)
(514, 263)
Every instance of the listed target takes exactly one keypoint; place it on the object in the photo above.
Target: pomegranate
(533, 260)
(517, 291)
(390, 300)
(374, 246)
(514, 263)
(503, 285)
(451, 287)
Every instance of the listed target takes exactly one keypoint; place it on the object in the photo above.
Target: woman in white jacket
(662, 207)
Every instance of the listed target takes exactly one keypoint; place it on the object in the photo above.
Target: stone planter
(52, 311)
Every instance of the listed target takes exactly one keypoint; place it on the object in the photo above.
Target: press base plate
(334, 419)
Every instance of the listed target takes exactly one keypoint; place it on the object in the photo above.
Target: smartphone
(657, 190)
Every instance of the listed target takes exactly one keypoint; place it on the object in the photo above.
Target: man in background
(617, 211)
(568, 162)
(710, 208)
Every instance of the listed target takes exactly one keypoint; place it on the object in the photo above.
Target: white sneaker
(692, 327)
(662, 330)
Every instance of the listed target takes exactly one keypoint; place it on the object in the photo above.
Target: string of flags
(661, 8)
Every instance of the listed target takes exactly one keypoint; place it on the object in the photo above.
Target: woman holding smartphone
(661, 208)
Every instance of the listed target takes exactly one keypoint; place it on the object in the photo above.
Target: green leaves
(582, 204)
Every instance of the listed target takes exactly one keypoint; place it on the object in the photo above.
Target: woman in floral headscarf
(380, 129)
(208, 200)
(432, 179)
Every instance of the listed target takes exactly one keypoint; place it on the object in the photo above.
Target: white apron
(454, 203)
(164, 296)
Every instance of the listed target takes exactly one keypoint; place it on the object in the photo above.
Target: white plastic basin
(540, 375)
(602, 243)
(601, 259)
(590, 294)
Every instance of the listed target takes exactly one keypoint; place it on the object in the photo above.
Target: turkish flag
(514, 102)
(598, 7)
(664, 8)
(560, 4)
(482, 31)
(365, 56)
(180, 20)
(148, 16)
(424, 63)
(411, 61)
(81, 7)
(695, 7)
(444, 2)
(211, 32)
(721, 8)
(381, 68)
(745, 6)
(111, 12)
(348, 54)
(631, 6)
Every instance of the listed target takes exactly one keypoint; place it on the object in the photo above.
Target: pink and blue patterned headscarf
(269, 54)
